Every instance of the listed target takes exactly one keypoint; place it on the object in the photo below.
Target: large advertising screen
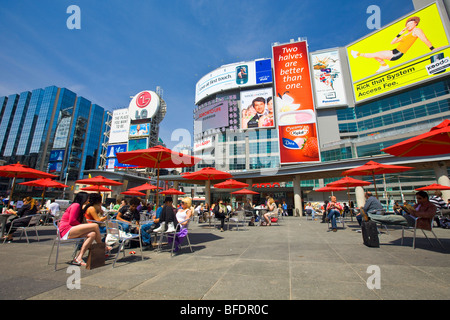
(328, 79)
(409, 51)
(212, 116)
(257, 109)
(242, 74)
(294, 104)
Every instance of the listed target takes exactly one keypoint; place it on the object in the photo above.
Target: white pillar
(440, 169)
(175, 196)
(249, 196)
(360, 198)
(297, 196)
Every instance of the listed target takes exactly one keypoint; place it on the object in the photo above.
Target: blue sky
(124, 47)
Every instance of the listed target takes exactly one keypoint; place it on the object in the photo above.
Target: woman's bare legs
(89, 230)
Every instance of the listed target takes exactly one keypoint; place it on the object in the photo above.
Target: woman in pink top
(72, 226)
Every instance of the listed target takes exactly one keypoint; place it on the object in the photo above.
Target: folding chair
(415, 229)
(113, 229)
(58, 241)
(238, 218)
(33, 223)
(339, 219)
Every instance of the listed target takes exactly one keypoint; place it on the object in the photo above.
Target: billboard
(137, 144)
(257, 109)
(144, 105)
(139, 130)
(328, 80)
(294, 104)
(120, 125)
(214, 115)
(408, 51)
(232, 76)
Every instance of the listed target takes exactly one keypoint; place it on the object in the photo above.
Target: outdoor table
(3, 219)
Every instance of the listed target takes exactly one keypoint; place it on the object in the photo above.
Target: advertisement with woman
(398, 55)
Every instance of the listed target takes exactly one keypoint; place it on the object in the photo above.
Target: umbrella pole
(12, 192)
(348, 195)
(43, 198)
(374, 184)
(157, 185)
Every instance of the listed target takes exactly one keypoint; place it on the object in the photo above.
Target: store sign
(294, 104)
(382, 62)
(266, 185)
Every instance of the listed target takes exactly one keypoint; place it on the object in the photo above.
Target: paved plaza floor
(297, 259)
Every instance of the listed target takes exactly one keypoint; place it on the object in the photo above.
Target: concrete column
(297, 197)
(175, 197)
(440, 169)
(249, 196)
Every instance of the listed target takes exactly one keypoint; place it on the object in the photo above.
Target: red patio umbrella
(348, 182)
(133, 193)
(207, 174)
(157, 157)
(329, 189)
(96, 188)
(99, 181)
(145, 187)
(434, 142)
(372, 168)
(245, 191)
(172, 191)
(434, 186)
(45, 183)
(231, 184)
(18, 170)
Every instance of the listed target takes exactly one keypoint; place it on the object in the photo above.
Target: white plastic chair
(58, 241)
(238, 218)
(33, 223)
(415, 229)
(113, 229)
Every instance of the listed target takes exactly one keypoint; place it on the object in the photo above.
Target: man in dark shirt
(127, 214)
(372, 206)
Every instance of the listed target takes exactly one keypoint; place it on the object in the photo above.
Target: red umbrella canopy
(330, 189)
(171, 191)
(96, 188)
(145, 186)
(348, 182)
(434, 186)
(133, 193)
(207, 174)
(372, 168)
(18, 170)
(46, 183)
(99, 181)
(231, 184)
(245, 191)
(157, 157)
(434, 142)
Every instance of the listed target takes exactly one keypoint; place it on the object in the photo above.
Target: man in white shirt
(54, 207)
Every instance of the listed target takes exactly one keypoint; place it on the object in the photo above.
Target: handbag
(96, 257)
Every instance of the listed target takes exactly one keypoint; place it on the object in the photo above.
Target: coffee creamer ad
(294, 103)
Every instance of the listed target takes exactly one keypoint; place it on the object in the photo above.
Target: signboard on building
(257, 109)
(407, 52)
(294, 104)
(212, 116)
(144, 105)
(120, 126)
(231, 76)
(328, 80)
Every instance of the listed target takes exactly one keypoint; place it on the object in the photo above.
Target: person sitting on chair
(23, 217)
(334, 209)
(272, 211)
(372, 206)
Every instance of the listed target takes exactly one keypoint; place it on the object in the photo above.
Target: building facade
(52, 129)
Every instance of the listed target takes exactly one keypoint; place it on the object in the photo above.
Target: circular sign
(143, 99)
(144, 106)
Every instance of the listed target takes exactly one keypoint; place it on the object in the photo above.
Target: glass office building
(52, 129)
